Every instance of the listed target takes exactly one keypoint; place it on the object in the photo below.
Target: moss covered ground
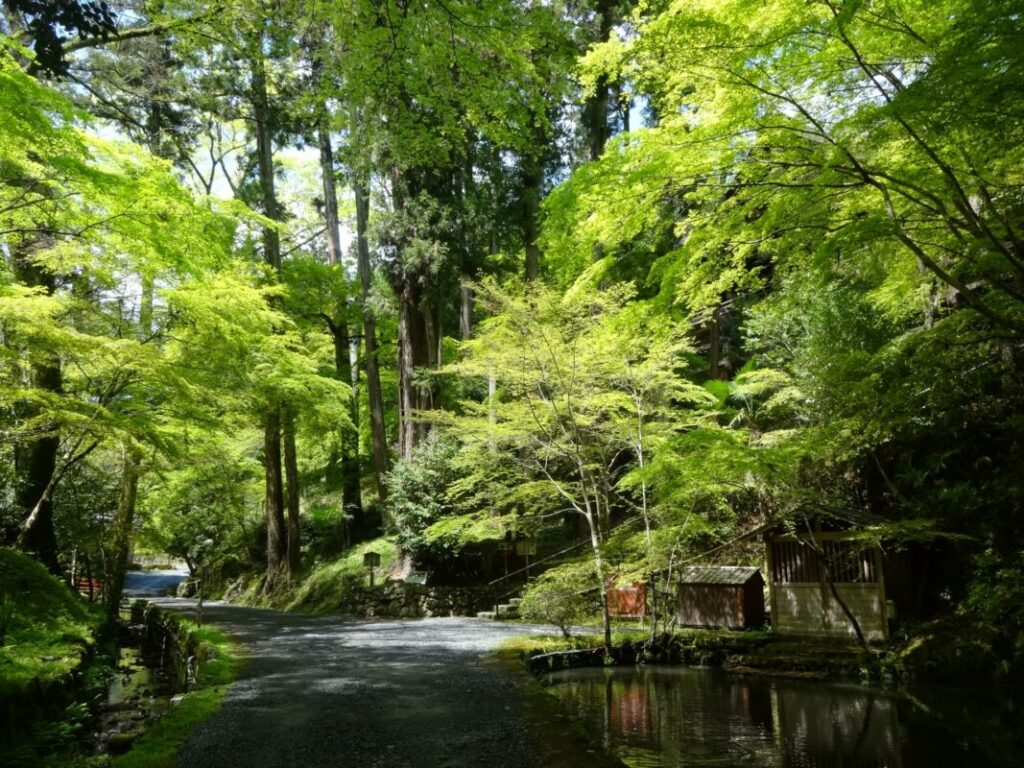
(49, 628)
(324, 587)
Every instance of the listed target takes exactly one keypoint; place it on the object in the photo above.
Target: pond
(664, 717)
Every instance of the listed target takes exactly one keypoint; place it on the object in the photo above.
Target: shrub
(555, 598)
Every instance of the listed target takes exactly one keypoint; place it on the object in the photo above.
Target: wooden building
(818, 580)
(721, 596)
(628, 601)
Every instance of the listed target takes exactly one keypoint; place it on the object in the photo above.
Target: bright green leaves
(824, 131)
(118, 278)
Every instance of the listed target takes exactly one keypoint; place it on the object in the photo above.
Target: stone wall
(171, 642)
(397, 599)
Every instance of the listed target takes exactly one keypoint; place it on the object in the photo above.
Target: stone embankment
(395, 599)
(738, 652)
(170, 641)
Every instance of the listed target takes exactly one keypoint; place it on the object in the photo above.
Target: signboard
(371, 560)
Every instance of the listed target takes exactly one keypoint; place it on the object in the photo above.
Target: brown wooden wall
(715, 605)
(628, 602)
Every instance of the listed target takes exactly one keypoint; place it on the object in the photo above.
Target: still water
(664, 717)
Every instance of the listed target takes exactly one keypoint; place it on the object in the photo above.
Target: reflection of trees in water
(669, 717)
(827, 726)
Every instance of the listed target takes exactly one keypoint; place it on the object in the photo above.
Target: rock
(119, 743)
(177, 698)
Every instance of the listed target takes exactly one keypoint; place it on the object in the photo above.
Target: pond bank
(743, 652)
(937, 653)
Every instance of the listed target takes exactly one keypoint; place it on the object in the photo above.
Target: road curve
(364, 693)
(152, 583)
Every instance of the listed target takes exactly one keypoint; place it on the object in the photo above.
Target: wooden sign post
(371, 560)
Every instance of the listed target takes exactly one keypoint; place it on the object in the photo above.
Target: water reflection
(657, 717)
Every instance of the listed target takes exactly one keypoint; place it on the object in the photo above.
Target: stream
(664, 717)
(140, 691)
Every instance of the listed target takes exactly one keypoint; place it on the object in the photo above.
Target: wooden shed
(627, 601)
(817, 580)
(729, 596)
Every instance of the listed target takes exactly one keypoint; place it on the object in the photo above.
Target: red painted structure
(628, 602)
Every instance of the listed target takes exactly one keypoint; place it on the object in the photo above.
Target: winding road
(366, 693)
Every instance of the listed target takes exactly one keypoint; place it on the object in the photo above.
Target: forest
(612, 284)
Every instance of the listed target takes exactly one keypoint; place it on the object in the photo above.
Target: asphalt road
(152, 583)
(351, 693)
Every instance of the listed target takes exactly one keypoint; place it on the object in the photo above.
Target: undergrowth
(327, 584)
(158, 747)
(48, 628)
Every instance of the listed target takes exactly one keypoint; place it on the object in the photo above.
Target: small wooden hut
(729, 596)
(627, 601)
(818, 579)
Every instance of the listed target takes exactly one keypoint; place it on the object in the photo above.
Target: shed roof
(719, 575)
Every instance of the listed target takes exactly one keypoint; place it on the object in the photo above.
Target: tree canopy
(630, 279)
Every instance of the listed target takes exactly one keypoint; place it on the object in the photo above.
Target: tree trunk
(465, 310)
(330, 192)
(350, 491)
(406, 366)
(595, 546)
(373, 390)
(36, 463)
(291, 468)
(533, 180)
(595, 110)
(350, 472)
(276, 536)
(117, 560)
(417, 337)
(265, 156)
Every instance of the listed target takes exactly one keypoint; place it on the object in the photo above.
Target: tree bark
(595, 547)
(350, 490)
(465, 311)
(595, 110)
(265, 157)
(117, 560)
(417, 349)
(406, 366)
(291, 468)
(276, 535)
(373, 390)
(533, 180)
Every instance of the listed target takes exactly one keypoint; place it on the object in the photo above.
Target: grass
(158, 747)
(326, 585)
(532, 645)
(50, 629)
(561, 740)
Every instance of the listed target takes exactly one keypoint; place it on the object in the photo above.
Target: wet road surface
(369, 693)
